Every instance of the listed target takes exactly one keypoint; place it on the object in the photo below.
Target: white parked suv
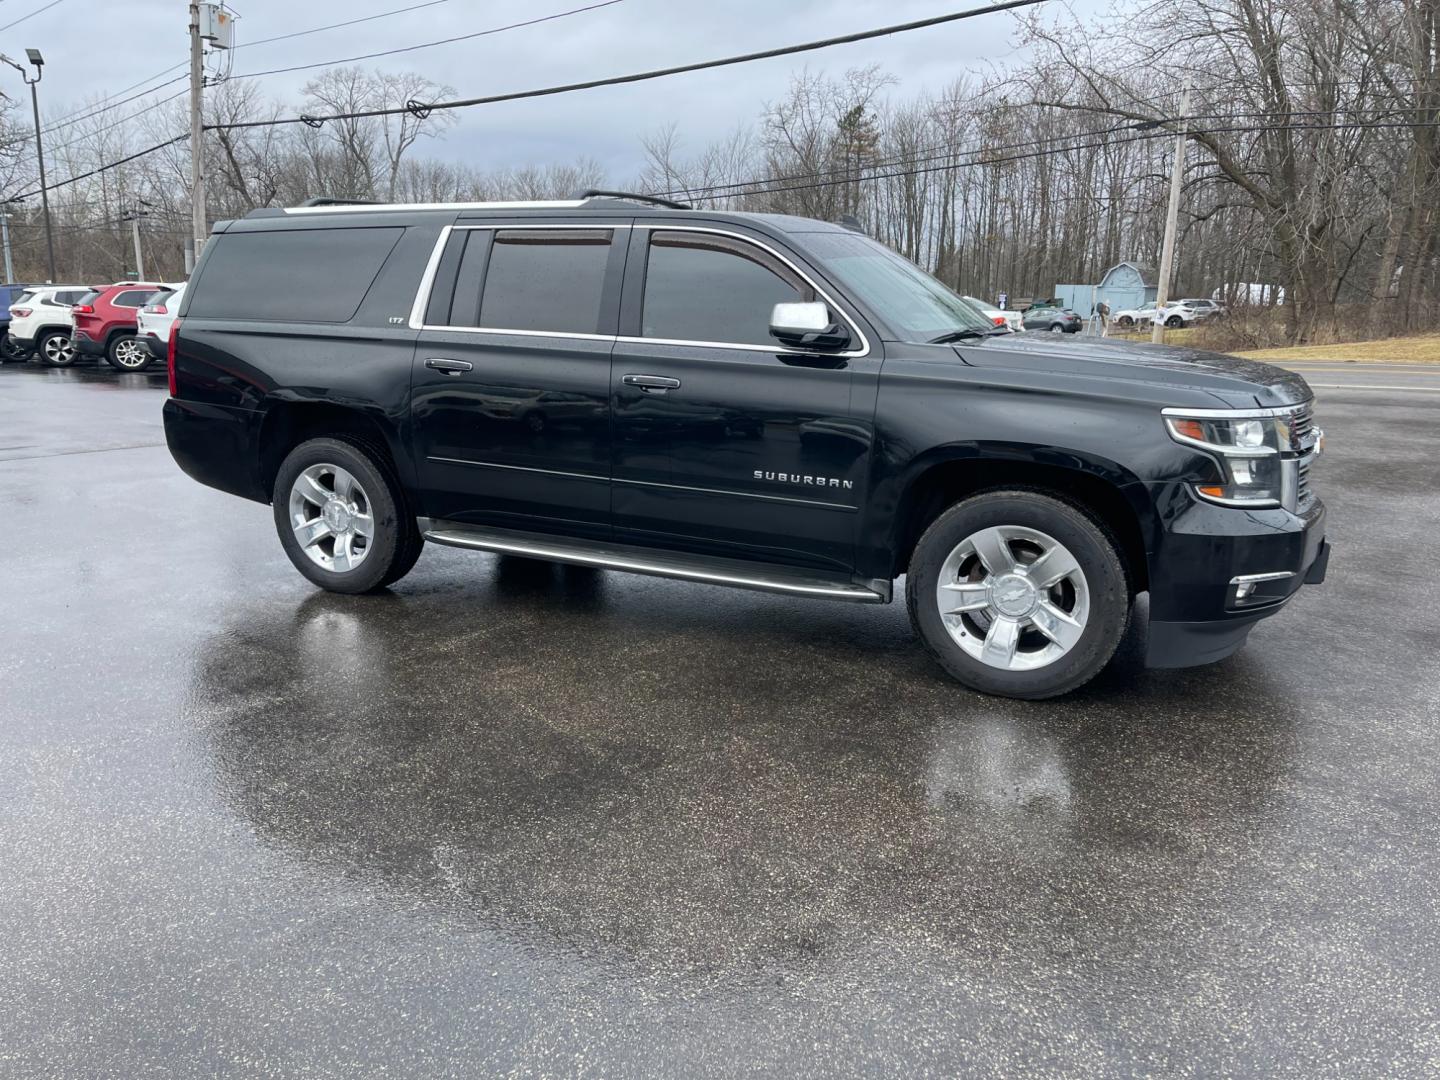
(40, 321)
(1179, 313)
(1130, 316)
(153, 321)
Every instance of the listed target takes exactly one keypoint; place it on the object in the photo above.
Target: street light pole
(39, 61)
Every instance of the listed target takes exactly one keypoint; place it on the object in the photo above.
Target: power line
(102, 168)
(431, 44)
(118, 123)
(641, 76)
(125, 90)
(243, 45)
(32, 14)
(112, 105)
(97, 110)
(336, 26)
(765, 187)
(920, 155)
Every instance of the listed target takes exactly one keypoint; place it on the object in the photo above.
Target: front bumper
(1217, 571)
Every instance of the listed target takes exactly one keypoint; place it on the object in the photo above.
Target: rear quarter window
(133, 297)
(296, 275)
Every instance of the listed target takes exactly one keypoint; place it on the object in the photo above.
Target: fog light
(1244, 586)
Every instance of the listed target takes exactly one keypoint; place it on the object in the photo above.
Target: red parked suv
(104, 322)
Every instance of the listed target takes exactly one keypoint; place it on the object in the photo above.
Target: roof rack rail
(597, 193)
(326, 200)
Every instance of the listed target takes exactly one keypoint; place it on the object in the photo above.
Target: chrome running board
(737, 573)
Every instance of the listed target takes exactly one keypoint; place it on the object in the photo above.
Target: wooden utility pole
(135, 215)
(1172, 221)
(197, 148)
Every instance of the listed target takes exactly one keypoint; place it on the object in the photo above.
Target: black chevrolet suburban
(754, 400)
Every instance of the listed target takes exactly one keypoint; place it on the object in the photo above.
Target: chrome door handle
(449, 367)
(657, 384)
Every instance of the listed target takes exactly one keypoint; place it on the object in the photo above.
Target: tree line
(1310, 162)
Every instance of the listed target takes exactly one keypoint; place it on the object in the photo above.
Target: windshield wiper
(958, 335)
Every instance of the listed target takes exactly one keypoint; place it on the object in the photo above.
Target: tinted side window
(76, 296)
(300, 275)
(132, 297)
(700, 287)
(544, 279)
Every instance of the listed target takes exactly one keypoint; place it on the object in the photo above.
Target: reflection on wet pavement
(521, 818)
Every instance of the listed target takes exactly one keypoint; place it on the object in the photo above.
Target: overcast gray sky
(98, 46)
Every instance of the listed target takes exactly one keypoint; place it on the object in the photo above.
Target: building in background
(1124, 286)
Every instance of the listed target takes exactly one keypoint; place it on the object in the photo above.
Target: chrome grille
(1302, 425)
(1302, 485)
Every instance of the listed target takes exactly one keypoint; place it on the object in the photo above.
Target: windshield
(910, 301)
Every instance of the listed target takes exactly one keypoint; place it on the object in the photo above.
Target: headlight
(1248, 450)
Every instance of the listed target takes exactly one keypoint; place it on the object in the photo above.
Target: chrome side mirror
(807, 326)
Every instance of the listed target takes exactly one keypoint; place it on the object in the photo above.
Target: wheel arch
(287, 422)
(1094, 484)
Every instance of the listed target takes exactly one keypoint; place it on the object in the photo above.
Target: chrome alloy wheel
(332, 519)
(1014, 598)
(59, 350)
(131, 355)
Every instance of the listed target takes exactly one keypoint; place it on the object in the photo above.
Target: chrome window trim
(864, 349)
(427, 284)
(427, 280)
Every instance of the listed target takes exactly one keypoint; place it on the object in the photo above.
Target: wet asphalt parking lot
(529, 820)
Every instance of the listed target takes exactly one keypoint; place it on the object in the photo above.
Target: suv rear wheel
(11, 353)
(342, 518)
(1018, 594)
(56, 348)
(127, 353)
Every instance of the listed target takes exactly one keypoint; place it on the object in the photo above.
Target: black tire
(10, 353)
(1125, 320)
(1057, 328)
(1088, 541)
(126, 352)
(1175, 322)
(396, 544)
(47, 347)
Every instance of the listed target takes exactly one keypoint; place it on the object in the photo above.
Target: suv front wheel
(1018, 594)
(342, 518)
